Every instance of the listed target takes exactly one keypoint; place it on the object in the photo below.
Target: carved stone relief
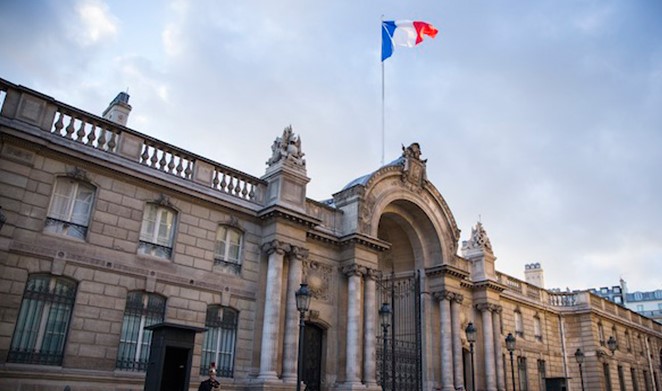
(319, 278)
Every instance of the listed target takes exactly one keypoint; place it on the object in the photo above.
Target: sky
(541, 118)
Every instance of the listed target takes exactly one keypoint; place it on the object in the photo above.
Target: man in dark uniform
(210, 384)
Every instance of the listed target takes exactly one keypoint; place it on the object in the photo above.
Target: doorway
(312, 357)
(174, 369)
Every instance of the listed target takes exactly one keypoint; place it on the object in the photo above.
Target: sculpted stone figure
(287, 147)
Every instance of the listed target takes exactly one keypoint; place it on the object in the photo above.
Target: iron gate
(403, 345)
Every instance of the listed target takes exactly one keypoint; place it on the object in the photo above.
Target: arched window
(537, 328)
(229, 242)
(142, 309)
(219, 340)
(157, 232)
(601, 334)
(70, 207)
(519, 323)
(43, 320)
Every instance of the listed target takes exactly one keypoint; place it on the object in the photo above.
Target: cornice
(279, 212)
(489, 285)
(365, 241)
(447, 270)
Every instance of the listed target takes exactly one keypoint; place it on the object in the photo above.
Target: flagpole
(383, 115)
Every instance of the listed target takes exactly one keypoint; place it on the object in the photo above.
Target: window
(638, 296)
(228, 245)
(519, 323)
(607, 378)
(601, 334)
(635, 383)
(43, 321)
(640, 307)
(537, 329)
(618, 300)
(69, 211)
(614, 333)
(647, 385)
(142, 309)
(617, 289)
(521, 369)
(219, 340)
(157, 231)
(621, 378)
(541, 374)
(628, 341)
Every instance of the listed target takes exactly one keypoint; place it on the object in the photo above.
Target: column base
(350, 386)
(268, 377)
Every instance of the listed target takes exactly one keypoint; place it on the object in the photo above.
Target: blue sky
(544, 118)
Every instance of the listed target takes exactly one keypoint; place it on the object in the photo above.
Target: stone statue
(287, 147)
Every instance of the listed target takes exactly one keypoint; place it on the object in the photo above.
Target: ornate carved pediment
(287, 148)
(478, 240)
(414, 172)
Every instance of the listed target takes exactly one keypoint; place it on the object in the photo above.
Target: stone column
(291, 343)
(488, 346)
(272, 308)
(444, 298)
(369, 325)
(498, 351)
(352, 366)
(458, 365)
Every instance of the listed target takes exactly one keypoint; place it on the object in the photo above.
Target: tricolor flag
(404, 33)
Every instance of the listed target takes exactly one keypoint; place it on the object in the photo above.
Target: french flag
(404, 33)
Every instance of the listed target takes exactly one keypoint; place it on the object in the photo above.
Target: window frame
(519, 323)
(63, 222)
(537, 328)
(219, 343)
(151, 311)
(148, 241)
(50, 306)
(224, 259)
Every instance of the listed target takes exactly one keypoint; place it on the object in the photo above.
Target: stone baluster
(496, 318)
(458, 365)
(488, 346)
(445, 298)
(369, 328)
(272, 309)
(291, 343)
(353, 273)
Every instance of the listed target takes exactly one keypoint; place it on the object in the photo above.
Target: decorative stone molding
(444, 295)
(288, 149)
(374, 274)
(458, 298)
(163, 200)
(414, 170)
(366, 213)
(478, 240)
(319, 278)
(299, 253)
(489, 307)
(354, 270)
(78, 173)
(276, 246)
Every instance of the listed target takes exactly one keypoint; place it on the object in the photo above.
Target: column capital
(354, 270)
(489, 307)
(299, 253)
(458, 298)
(497, 309)
(373, 274)
(443, 295)
(276, 246)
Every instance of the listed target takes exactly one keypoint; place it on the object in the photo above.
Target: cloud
(97, 22)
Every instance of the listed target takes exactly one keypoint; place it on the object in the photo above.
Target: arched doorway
(415, 245)
(312, 357)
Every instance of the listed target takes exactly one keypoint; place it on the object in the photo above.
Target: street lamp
(302, 296)
(579, 356)
(384, 316)
(612, 344)
(510, 345)
(470, 331)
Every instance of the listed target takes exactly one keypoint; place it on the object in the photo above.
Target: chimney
(533, 275)
(118, 110)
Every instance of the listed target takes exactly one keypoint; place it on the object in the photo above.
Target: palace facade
(109, 231)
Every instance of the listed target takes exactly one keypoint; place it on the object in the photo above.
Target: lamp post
(579, 356)
(384, 316)
(470, 331)
(510, 345)
(302, 296)
(612, 344)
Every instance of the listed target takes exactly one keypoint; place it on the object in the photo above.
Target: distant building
(648, 303)
(112, 236)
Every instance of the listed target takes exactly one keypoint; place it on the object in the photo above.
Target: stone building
(109, 231)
